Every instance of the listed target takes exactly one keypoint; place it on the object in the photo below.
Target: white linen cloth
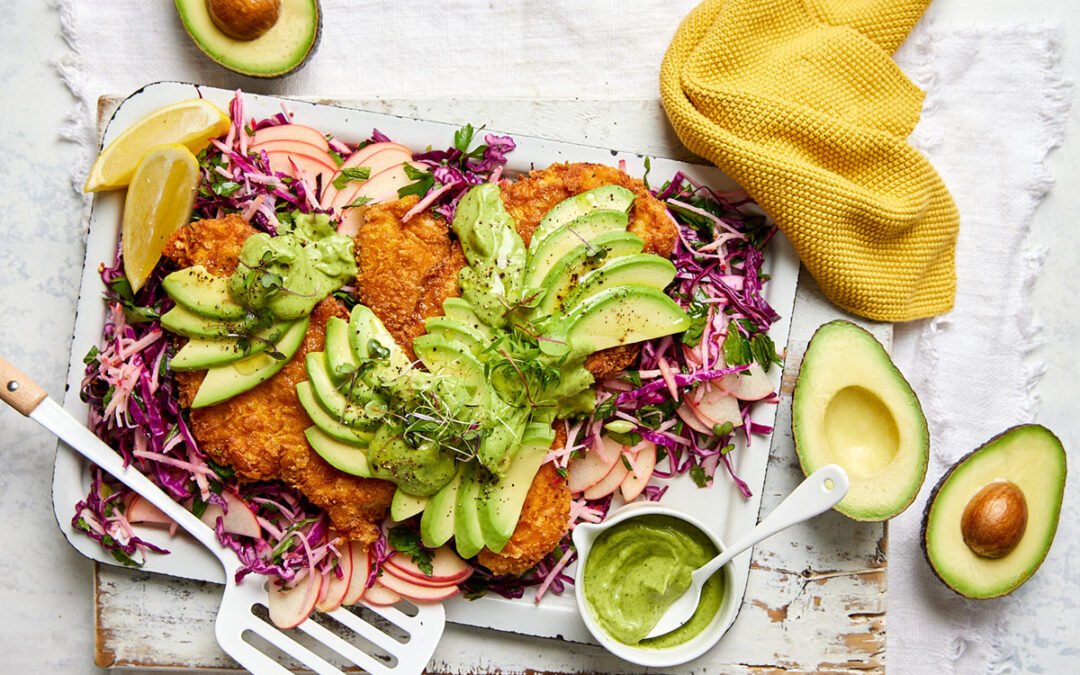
(994, 109)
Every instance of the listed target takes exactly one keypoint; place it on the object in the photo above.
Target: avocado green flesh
(1033, 459)
(499, 504)
(185, 322)
(638, 567)
(339, 357)
(456, 308)
(420, 471)
(336, 403)
(327, 423)
(450, 358)
(852, 407)
(342, 456)
(468, 536)
(645, 269)
(605, 197)
(569, 237)
(200, 353)
(565, 275)
(623, 315)
(438, 520)
(454, 330)
(280, 50)
(224, 382)
(202, 293)
(404, 505)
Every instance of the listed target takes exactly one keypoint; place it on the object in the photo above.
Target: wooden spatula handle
(18, 390)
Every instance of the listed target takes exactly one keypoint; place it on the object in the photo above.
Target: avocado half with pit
(289, 38)
(991, 518)
(854, 408)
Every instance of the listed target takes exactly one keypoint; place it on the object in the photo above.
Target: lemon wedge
(159, 201)
(190, 123)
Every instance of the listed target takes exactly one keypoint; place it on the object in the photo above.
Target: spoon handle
(817, 494)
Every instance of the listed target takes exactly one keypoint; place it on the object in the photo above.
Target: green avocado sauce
(638, 567)
(290, 273)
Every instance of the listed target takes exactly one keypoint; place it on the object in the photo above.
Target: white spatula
(382, 641)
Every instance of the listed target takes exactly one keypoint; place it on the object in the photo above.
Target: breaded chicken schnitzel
(260, 432)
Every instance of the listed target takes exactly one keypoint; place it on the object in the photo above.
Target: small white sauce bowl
(585, 534)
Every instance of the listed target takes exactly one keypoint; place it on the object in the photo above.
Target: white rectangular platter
(556, 616)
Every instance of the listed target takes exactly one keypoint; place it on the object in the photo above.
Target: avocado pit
(244, 19)
(995, 519)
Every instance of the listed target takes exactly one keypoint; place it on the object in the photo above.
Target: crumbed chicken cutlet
(260, 432)
(544, 520)
(406, 270)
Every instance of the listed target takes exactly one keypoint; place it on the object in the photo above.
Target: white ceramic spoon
(817, 494)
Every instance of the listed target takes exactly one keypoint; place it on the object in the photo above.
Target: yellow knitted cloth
(800, 102)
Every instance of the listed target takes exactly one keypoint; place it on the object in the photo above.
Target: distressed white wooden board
(815, 599)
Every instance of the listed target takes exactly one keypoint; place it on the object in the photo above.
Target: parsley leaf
(737, 350)
(422, 182)
(350, 174)
(698, 474)
(407, 542)
(359, 201)
(764, 351)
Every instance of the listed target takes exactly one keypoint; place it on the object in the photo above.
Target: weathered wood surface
(816, 595)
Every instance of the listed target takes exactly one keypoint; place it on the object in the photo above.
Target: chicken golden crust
(260, 432)
(406, 270)
(215, 244)
(530, 197)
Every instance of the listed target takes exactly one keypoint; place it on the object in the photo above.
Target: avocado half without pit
(260, 38)
(991, 518)
(852, 407)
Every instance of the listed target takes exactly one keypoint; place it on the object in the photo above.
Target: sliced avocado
(339, 357)
(852, 407)
(203, 293)
(606, 197)
(421, 470)
(468, 537)
(437, 521)
(224, 382)
(450, 358)
(200, 353)
(500, 503)
(342, 456)
(1003, 499)
(326, 423)
(498, 446)
(620, 316)
(564, 275)
(645, 269)
(457, 308)
(569, 237)
(336, 403)
(455, 330)
(185, 322)
(404, 505)
(280, 50)
(367, 335)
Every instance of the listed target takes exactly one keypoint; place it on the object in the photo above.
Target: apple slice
(584, 472)
(376, 157)
(720, 408)
(289, 608)
(239, 520)
(381, 185)
(283, 161)
(686, 412)
(298, 147)
(407, 589)
(754, 384)
(337, 587)
(139, 510)
(290, 132)
(447, 567)
(634, 483)
(361, 568)
(381, 596)
(610, 482)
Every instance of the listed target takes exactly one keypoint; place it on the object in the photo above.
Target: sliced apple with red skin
(361, 569)
(335, 587)
(447, 568)
(381, 596)
(754, 384)
(290, 132)
(289, 608)
(381, 186)
(139, 510)
(610, 483)
(239, 519)
(585, 472)
(412, 591)
(298, 147)
(635, 481)
(299, 165)
(376, 157)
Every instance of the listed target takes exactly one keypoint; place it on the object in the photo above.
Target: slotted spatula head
(396, 640)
